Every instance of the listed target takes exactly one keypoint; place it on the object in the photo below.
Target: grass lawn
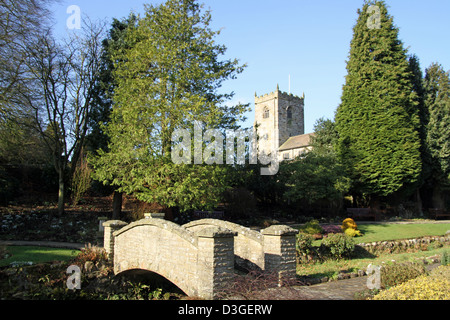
(379, 232)
(383, 232)
(331, 268)
(37, 254)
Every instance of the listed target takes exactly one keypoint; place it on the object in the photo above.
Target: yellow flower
(349, 227)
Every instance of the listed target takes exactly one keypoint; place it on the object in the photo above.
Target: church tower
(278, 116)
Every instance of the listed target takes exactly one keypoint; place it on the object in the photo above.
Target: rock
(313, 281)
(343, 276)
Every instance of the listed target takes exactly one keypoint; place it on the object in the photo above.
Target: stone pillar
(279, 252)
(108, 238)
(215, 261)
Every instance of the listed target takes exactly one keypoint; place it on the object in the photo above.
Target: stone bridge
(199, 257)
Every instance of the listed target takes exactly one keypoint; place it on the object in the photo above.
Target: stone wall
(403, 245)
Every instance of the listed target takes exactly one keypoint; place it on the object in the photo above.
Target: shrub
(337, 246)
(350, 227)
(312, 227)
(90, 253)
(304, 247)
(349, 223)
(331, 229)
(433, 287)
(81, 180)
(445, 259)
(255, 284)
(397, 273)
(352, 232)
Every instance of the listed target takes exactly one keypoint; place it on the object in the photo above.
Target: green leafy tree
(325, 137)
(437, 102)
(378, 121)
(168, 79)
(104, 88)
(316, 178)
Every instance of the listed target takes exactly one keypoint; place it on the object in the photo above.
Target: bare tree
(60, 93)
(21, 21)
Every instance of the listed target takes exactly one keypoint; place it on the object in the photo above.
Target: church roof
(297, 142)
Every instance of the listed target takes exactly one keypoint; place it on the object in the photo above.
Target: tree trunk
(437, 199)
(419, 204)
(117, 205)
(61, 192)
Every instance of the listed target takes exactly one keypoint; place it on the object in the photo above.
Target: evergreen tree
(168, 80)
(437, 102)
(101, 106)
(378, 119)
(325, 137)
(418, 87)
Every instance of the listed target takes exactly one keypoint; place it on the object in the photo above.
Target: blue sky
(306, 39)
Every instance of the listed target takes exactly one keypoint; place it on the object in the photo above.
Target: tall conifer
(437, 102)
(378, 119)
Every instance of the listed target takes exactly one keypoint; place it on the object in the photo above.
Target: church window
(266, 113)
(289, 113)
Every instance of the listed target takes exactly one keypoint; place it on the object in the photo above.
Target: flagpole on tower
(289, 84)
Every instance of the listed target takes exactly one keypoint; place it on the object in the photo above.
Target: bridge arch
(154, 279)
(152, 244)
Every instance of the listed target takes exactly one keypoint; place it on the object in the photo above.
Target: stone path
(332, 290)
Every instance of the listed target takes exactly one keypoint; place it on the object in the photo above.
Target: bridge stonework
(198, 257)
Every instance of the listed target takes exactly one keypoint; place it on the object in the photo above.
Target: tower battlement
(280, 95)
(279, 116)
